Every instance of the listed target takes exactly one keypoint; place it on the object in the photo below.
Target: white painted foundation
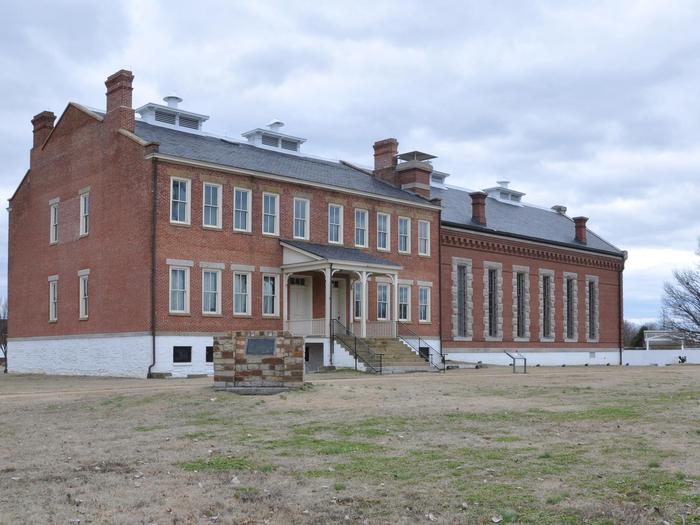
(198, 365)
(108, 355)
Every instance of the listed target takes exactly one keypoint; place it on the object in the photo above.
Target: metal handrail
(372, 360)
(412, 335)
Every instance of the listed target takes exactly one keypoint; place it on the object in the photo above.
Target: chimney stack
(478, 207)
(120, 113)
(385, 152)
(580, 223)
(43, 124)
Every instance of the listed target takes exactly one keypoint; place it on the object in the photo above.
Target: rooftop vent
(561, 210)
(504, 194)
(437, 178)
(171, 115)
(272, 137)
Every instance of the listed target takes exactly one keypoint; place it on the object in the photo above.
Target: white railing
(307, 327)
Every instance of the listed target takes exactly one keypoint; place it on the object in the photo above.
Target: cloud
(589, 105)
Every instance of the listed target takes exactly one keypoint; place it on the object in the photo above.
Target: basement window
(210, 354)
(182, 354)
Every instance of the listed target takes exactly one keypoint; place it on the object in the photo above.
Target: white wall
(125, 356)
(610, 356)
(342, 358)
(198, 365)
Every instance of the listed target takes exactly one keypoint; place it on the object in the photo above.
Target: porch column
(364, 312)
(285, 301)
(329, 290)
(395, 302)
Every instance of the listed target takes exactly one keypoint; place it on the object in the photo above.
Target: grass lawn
(576, 445)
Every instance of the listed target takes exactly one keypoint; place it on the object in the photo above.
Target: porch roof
(339, 254)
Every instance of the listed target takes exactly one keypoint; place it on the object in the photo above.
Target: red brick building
(133, 241)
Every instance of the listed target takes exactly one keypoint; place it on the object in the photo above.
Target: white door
(338, 301)
(300, 315)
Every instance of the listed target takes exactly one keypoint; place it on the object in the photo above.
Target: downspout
(154, 217)
(621, 306)
(439, 294)
(331, 339)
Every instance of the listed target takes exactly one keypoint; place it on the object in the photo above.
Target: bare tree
(681, 302)
(3, 331)
(629, 330)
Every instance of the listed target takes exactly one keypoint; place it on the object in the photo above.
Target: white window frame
(387, 233)
(84, 213)
(53, 299)
(408, 234)
(275, 298)
(341, 211)
(364, 213)
(384, 286)
(219, 205)
(428, 313)
(276, 198)
(426, 252)
(357, 298)
(84, 294)
(307, 210)
(248, 211)
(218, 292)
(188, 202)
(186, 300)
(248, 294)
(407, 318)
(53, 223)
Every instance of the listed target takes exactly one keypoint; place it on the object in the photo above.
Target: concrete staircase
(398, 357)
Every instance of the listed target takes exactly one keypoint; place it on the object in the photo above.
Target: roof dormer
(504, 194)
(171, 115)
(272, 137)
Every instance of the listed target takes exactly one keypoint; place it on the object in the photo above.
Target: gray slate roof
(245, 156)
(522, 221)
(339, 253)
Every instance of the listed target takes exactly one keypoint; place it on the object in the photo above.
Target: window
(211, 292)
(212, 205)
(53, 223)
(241, 293)
(270, 295)
(84, 310)
(84, 213)
(592, 301)
(361, 228)
(463, 274)
(382, 301)
(301, 218)
(383, 231)
(209, 358)
(570, 330)
(424, 304)
(335, 224)
(357, 293)
(179, 290)
(241, 209)
(180, 201)
(404, 235)
(182, 354)
(423, 238)
(53, 299)
(520, 304)
(546, 305)
(270, 214)
(404, 303)
(492, 302)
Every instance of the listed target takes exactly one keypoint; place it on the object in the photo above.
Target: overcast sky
(594, 105)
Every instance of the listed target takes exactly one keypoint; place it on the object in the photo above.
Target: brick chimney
(478, 207)
(413, 173)
(43, 124)
(385, 152)
(580, 223)
(120, 113)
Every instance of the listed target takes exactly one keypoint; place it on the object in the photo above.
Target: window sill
(462, 338)
(384, 250)
(53, 321)
(183, 364)
(214, 228)
(210, 314)
(180, 314)
(83, 235)
(271, 316)
(181, 224)
(426, 255)
(425, 322)
(270, 234)
(335, 243)
(361, 247)
(246, 232)
(54, 243)
(592, 340)
(404, 253)
(494, 339)
(546, 339)
(243, 316)
(571, 340)
(521, 339)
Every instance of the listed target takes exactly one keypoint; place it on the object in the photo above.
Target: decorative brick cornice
(560, 255)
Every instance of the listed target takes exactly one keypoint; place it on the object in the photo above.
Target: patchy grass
(218, 464)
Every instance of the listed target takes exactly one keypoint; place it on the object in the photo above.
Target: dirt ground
(565, 445)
